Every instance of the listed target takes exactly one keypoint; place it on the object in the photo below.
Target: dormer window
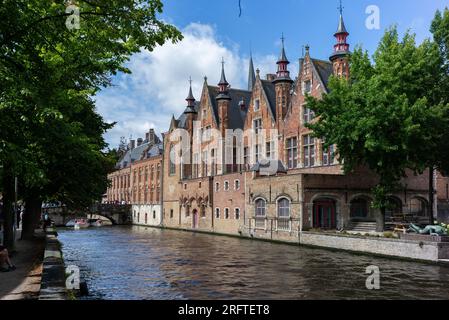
(257, 105)
(307, 87)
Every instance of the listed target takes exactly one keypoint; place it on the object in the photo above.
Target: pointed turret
(252, 74)
(190, 101)
(340, 56)
(283, 75)
(223, 85)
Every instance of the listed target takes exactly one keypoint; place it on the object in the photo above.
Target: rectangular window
(292, 153)
(257, 105)
(257, 125)
(270, 152)
(257, 152)
(246, 157)
(308, 115)
(307, 87)
(309, 151)
(328, 155)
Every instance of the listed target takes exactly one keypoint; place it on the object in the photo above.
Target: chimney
(139, 142)
(132, 144)
(271, 77)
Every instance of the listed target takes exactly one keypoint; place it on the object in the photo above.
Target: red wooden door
(324, 215)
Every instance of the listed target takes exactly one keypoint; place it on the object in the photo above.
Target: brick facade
(309, 190)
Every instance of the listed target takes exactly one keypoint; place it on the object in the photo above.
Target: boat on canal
(81, 224)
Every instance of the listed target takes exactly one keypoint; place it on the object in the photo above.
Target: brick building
(138, 180)
(242, 162)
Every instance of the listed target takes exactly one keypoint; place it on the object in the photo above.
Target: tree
(50, 134)
(389, 115)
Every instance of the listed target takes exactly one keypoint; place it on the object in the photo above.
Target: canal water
(143, 263)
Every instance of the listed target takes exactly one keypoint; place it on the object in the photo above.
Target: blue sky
(212, 29)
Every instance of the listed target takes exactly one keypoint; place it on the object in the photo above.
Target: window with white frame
(269, 150)
(217, 186)
(284, 208)
(226, 185)
(257, 152)
(328, 155)
(237, 184)
(292, 153)
(227, 213)
(309, 151)
(237, 213)
(307, 87)
(246, 157)
(256, 105)
(308, 115)
(283, 211)
(257, 125)
(260, 208)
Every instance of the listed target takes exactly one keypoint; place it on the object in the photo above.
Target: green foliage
(50, 134)
(391, 115)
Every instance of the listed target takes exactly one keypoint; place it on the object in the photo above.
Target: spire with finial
(190, 100)
(341, 48)
(223, 85)
(252, 74)
(283, 74)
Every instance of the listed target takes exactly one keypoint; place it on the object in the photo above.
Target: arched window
(284, 208)
(260, 208)
(237, 184)
(418, 207)
(237, 213)
(217, 186)
(359, 208)
(217, 213)
(283, 211)
(227, 213)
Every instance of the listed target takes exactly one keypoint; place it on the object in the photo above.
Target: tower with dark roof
(223, 101)
(282, 84)
(190, 111)
(340, 56)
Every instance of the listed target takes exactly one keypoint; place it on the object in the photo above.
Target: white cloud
(158, 85)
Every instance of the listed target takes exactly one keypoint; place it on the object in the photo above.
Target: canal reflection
(144, 263)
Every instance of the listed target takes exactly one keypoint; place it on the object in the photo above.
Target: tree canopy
(392, 114)
(51, 136)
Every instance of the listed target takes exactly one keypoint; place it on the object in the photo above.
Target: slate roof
(144, 151)
(270, 91)
(236, 115)
(324, 69)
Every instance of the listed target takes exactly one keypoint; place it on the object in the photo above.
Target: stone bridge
(117, 214)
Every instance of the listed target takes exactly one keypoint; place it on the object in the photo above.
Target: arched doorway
(359, 209)
(418, 208)
(195, 219)
(324, 214)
